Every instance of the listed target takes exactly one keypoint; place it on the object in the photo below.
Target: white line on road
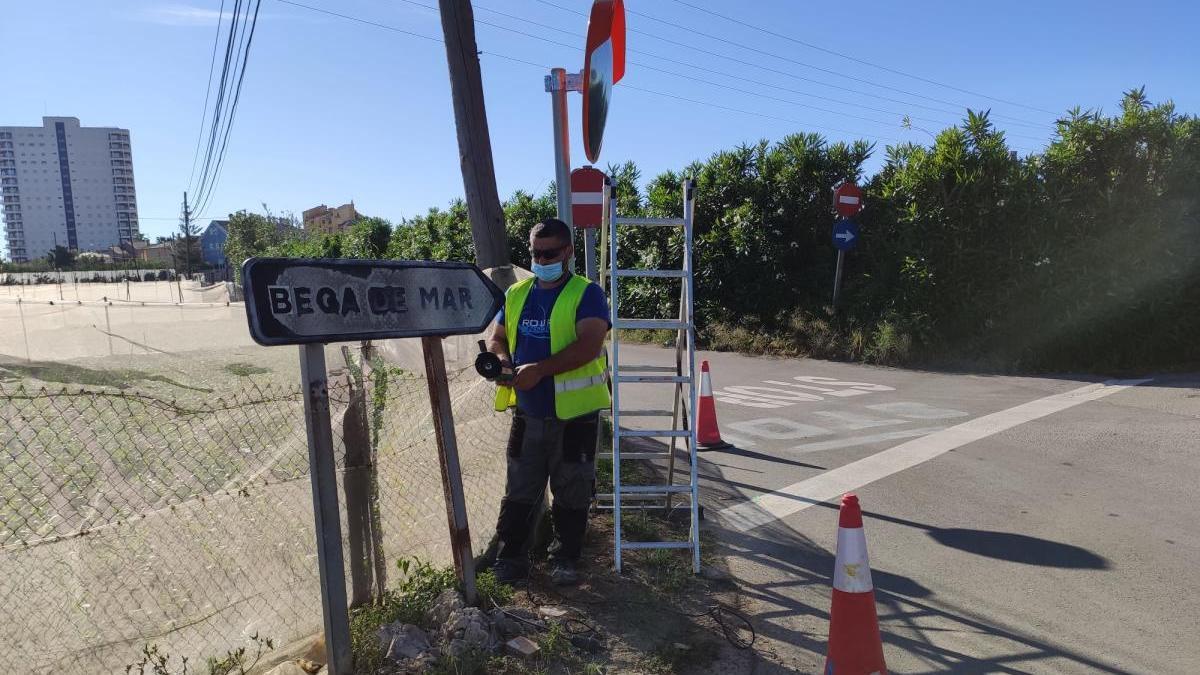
(863, 440)
(799, 496)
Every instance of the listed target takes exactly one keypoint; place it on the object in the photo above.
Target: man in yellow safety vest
(550, 335)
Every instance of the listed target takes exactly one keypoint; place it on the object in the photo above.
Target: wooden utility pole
(187, 236)
(474, 142)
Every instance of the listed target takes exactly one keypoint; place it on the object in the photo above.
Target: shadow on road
(785, 582)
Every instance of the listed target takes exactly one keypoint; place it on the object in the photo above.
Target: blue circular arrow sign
(845, 234)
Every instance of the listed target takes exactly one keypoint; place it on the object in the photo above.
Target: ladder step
(652, 324)
(650, 222)
(646, 369)
(636, 455)
(634, 545)
(626, 497)
(678, 274)
(659, 379)
(607, 412)
(654, 489)
(653, 433)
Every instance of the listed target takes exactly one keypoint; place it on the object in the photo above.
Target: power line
(725, 74)
(207, 91)
(233, 111)
(234, 19)
(545, 67)
(782, 58)
(839, 54)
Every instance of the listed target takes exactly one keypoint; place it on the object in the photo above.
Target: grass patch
(492, 591)
(66, 373)
(245, 369)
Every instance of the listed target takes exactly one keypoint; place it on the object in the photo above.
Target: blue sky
(334, 110)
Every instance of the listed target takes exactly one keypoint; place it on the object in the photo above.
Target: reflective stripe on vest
(580, 383)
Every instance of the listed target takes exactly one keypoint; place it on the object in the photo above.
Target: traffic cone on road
(707, 433)
(854, 644)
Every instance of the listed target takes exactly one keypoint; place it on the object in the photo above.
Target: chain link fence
(128, 516)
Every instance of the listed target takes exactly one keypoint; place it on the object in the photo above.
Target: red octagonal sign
(587, 197)
(847, 199)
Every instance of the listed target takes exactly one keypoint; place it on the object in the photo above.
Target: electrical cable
(844, 56)
(623, 86)
(221, 89)
(738, 45)
(233, 110)
(693, 78)
(207, 92)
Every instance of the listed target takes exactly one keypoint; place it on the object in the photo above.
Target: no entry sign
(308, 300)
(587, 197)
(847, 199)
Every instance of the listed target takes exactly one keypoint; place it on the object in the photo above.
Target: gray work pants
(563, 451)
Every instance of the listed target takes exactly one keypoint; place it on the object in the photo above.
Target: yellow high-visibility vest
(576, 392)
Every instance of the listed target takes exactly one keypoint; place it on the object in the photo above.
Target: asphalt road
(1014, 524)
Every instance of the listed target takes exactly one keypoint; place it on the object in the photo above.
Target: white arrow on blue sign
(845, 235)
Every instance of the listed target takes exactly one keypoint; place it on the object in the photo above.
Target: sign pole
(837, 278)
(447, 442)
(325, 509)
(557, 84)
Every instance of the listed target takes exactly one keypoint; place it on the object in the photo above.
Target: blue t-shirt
(533, 339)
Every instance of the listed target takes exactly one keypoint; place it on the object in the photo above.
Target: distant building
(66, 185)
(324, 219)
(212, 243)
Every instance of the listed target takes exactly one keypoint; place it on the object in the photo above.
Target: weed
(409, 604)
(554, 644)
(669, 570)
(245, 369)
(471, 662)
(639, 528)
(490, 590)
(235, 661)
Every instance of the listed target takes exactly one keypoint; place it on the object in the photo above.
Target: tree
(249, 234)
(367, 238)
(61, 257)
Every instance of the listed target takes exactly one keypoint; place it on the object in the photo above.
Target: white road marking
(862, 440)
(799, 496)
(917, 411)
(778, 429)
(855, 422)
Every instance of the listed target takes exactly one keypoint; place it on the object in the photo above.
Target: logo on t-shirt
(538, 329)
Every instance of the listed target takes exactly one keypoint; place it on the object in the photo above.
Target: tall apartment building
(68, 185)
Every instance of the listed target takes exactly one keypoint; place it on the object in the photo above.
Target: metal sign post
(325, 509)
(847, 201)
(311, 302)
(558, 83)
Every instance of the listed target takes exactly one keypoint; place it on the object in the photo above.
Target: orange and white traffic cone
(855, 647)
(707, 433)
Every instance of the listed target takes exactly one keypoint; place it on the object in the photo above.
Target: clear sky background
(334, 110)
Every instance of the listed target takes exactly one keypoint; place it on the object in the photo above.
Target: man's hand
(527, 377)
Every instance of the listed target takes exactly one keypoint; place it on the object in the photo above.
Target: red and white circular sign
(587, 197)
(847, 199)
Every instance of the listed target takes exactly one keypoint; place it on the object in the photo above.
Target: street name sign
(292, 301)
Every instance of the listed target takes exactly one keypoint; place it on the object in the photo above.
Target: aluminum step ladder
(683, 375)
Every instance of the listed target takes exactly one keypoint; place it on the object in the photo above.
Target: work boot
(510, 570)
(563, 572)
(569, 526)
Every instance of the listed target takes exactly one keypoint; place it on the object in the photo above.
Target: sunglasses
(545, 253)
